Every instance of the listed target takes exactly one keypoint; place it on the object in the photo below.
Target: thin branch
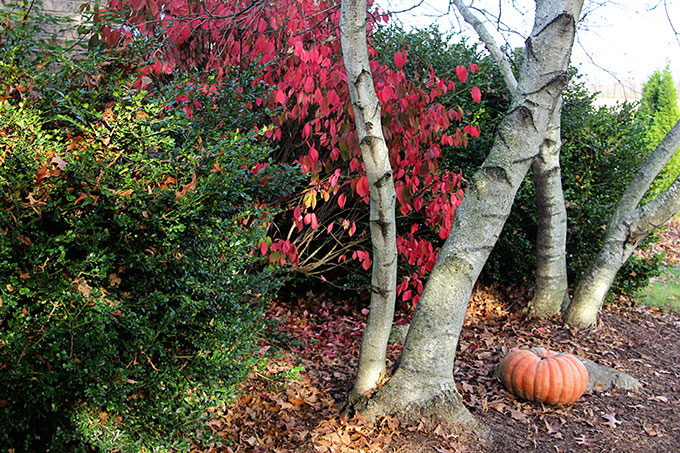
(602, 68)
(670, 21)
(410, 8)
(490, 45)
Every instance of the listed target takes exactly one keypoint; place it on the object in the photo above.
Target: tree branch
(490, 44)
(645, 176)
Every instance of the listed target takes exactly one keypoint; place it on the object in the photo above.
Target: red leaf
(280, 98)
(474, 68)
(472, 130)
(461, 73)
(476, 94)
(341, 200)
(180, 33)
(263, 247)
(400, 58)
(262, 26)
(362, 186)
(309, 85)
(417, 203)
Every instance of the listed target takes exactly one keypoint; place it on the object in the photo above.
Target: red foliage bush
(294, 48)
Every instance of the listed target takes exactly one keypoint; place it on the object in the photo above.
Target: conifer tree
(659, 106)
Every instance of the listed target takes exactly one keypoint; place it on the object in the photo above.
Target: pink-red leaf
(400, 58)
(476, 94)
(461, 73)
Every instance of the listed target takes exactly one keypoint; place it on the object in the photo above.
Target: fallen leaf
(114, 280)
(83, 287)
(612, 421)
(186, 188)
(500, 407)
(517, 415)
(61, 163)
(582, 440)
(552, 429)
(651, 431)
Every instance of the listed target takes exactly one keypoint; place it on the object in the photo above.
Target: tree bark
(423, 384)
(627, 227)
(550, 294)
(367, 110)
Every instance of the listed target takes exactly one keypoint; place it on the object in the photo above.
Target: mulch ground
(294, 403)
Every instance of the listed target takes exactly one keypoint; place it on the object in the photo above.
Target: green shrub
(130, 299)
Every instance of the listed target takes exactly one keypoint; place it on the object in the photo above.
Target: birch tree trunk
(367, 110)
(627, 227)
(423, 384)
(550, 295)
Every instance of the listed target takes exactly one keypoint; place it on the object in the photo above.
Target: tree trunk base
(409, 401)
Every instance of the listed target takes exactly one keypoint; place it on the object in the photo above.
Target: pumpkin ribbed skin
(544, 376)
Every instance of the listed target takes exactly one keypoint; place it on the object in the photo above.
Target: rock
(601, 377)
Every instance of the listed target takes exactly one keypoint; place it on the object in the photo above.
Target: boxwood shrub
(130, 297)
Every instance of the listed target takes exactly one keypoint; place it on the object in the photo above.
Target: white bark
(550, 294)
(626, 229)
(367, 110)
(423, 384)
(646, 175)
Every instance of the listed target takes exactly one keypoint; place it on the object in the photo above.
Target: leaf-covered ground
(280, 413)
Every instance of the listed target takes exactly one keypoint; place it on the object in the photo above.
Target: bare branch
(490, 45)
(670, 21)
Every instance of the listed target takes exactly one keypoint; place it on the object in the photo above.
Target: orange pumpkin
(545, 376)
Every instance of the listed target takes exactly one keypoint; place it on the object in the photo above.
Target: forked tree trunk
(550, 294)
(423, 384)
(367, 110)
(627, 227)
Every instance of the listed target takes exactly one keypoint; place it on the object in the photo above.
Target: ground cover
(664, 290)
(294, 404)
